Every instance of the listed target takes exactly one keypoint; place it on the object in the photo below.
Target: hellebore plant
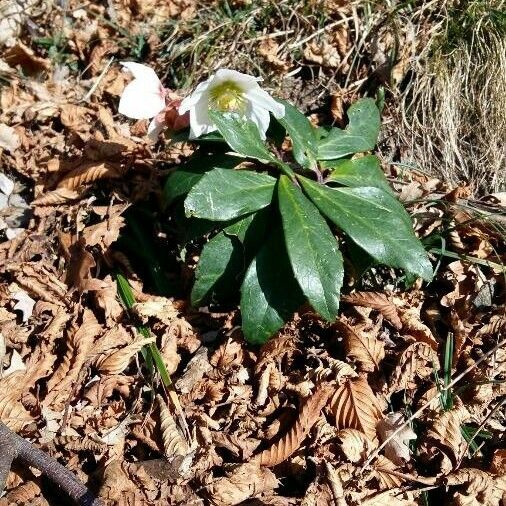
(274, 217)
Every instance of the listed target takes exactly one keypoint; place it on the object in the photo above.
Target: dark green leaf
(188, 174)
(360, 134)
(365, 171)
(374, 220)
(224, 194)
(224, 259)
(302, 133)
(269, 293)
(241, 135)
(313, 250)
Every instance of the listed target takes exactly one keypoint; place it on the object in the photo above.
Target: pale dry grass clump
(454, 110)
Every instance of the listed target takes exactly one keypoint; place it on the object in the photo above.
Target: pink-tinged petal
(138, 102)
(260, 98)
(156, 126)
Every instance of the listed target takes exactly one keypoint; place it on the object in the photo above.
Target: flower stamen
(227, 96)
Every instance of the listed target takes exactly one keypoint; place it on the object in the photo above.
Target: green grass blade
(150, 353)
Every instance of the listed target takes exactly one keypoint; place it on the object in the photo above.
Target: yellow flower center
(227, 96)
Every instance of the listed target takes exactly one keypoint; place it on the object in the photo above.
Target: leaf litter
(292, 422)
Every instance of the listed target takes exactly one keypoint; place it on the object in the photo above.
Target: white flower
(144, 97)
(230, 91)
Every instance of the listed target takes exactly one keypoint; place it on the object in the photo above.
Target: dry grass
(454, 109)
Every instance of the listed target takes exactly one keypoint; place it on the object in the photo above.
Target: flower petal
(200, 122)
(261, 118)
(156, 126)
(142, 72)
(260, 98)
(192, 100)
(138, 102)
(245, 81)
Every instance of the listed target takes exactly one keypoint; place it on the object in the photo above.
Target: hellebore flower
(146, 98)
(230, 91)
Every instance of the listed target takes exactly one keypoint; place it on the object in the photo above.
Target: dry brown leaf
(378, 301)
(355, 445)
(268, 48)
(412, 325)
(394, 497)
(386, 480)
(24, 493)
(445, 433)
(87, 173)
(275, 350)
(355, 406)
(13, 413)
(161, 308)
(174, 443)
(57, 197)
(362, 347)
(241, 483)
(416, 361)
(228, 355)
(290, 442)
(480, 487)
(117, 361)
(336, 370)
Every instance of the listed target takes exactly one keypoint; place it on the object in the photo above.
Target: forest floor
(400, 402)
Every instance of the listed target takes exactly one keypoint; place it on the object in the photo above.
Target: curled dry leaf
(445, 433)
(355, 445)
(362, 347)
(117, 361)
(12, 412)
(397, 449)
(174, 443)
(336, 370)
(378, 301)
(291, 442)
(412, 325)
(229, 354)
(355, 406)
(381, 467)
(479, 487)
(416, 361)
(161, 308)
(57, 197)
(241, 483)
(394, 497)
(87, 173)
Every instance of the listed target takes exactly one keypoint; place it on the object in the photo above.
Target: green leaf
(269, 293)
(360, 134)
(188, 174)
(313, 250)
(365, 171)
(220, 261)
(224, 259)
(224, 194)
(302, 133)
(241, 135)
(375, 221)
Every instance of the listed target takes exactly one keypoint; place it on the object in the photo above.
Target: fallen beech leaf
(241, 483)
(57, 197)
(290, 442)
(117, 361)
(378, 301)
(362, 347)
(174, 443)
(412, 325)
(386, 480)
(87, 173)
(355, 406)
(355, 445)
(13, 413)
(397, 449)
(416, 361)
(481, 488)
